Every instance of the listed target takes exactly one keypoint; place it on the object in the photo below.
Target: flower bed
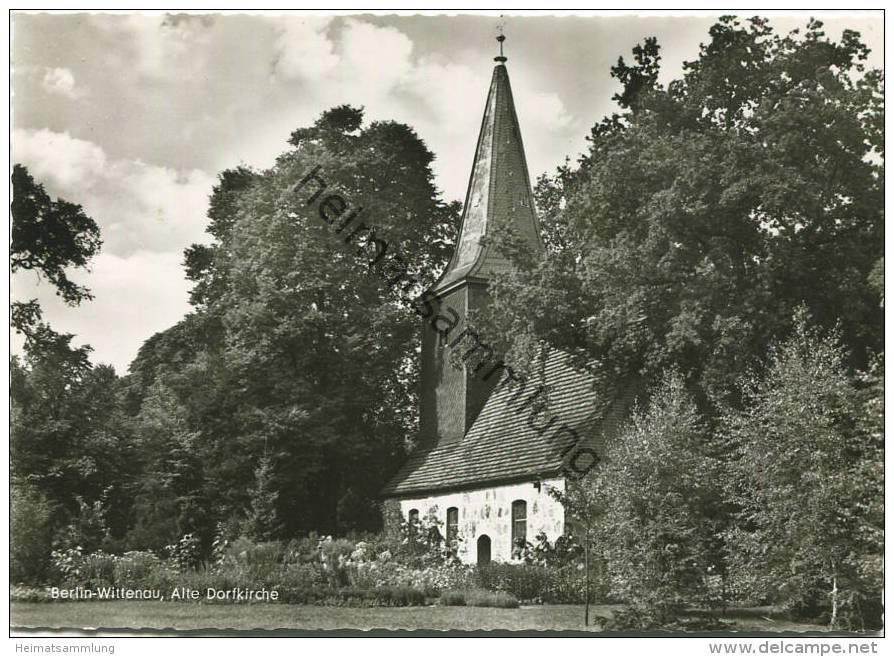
(323, 571)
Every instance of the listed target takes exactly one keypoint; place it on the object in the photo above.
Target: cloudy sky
(133, 116)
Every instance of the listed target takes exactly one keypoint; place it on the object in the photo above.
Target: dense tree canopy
(740, 207)
(299, 357)
(708, 210)
(283, 402)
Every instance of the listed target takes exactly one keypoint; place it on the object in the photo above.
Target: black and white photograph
(427, 323)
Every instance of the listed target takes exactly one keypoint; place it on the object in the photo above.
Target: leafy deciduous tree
(650, 508)
(807, 480)
(47, 237)
(708, 210)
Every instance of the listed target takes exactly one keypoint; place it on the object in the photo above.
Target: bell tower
(499, 197)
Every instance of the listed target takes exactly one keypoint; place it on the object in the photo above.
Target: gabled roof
(499, 193)
(502, 445)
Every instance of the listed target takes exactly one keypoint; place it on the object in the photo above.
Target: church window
(413, 516)
(452, 524)
(519, 523)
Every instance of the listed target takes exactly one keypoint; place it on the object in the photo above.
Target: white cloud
(146, 214)
(374, 59)
(161, 46)
(138, 206)
(69, 162)
(60, 81)
(135, 297)
(302, 49)
(364, 64)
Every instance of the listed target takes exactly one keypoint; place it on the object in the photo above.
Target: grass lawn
(162, 615)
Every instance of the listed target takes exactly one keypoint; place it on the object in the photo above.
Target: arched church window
(519, 523)
(452, 524)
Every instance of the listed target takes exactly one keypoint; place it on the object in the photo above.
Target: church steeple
(499, 198)
(499, 192)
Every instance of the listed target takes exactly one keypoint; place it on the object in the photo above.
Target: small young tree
(649, 509)
(581, 500)
(263, 522)
(807, 481)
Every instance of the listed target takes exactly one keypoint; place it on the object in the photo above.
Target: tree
(47, 237)
(321, 346)
(199, 259)
(300, 353)
(263, 524)
(807, 479)
(172, 494)
(706, 211)
(69, 439)
(582, 502)
(650, 509)
(69, 446)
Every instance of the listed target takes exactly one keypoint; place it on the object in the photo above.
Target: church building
(490, 447)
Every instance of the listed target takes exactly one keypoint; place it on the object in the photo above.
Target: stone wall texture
(488, 511)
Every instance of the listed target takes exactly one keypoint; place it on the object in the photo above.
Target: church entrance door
(483, 550)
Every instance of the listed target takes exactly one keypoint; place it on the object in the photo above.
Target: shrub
(142, 570)
(29, 594)
(334, 555)
(30, 535)
(186, 552)
(452, 598)
(643, 619)
(297, 584)
(524, 581)
(304, 550)
(388, 596)
(74, 568)
(542, 584)
(263, 562)
(401, 596)
(478, 598)
(564, 551)
(499, 599)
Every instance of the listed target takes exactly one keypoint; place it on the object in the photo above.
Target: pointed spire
(499, 193)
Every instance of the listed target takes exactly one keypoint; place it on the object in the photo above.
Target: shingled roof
(502, 445)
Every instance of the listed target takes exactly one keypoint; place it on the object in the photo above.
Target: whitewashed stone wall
(489, 511)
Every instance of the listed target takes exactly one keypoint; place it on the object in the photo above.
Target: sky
(134, 115)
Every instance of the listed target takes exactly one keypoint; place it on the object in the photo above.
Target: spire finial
(500, 38)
